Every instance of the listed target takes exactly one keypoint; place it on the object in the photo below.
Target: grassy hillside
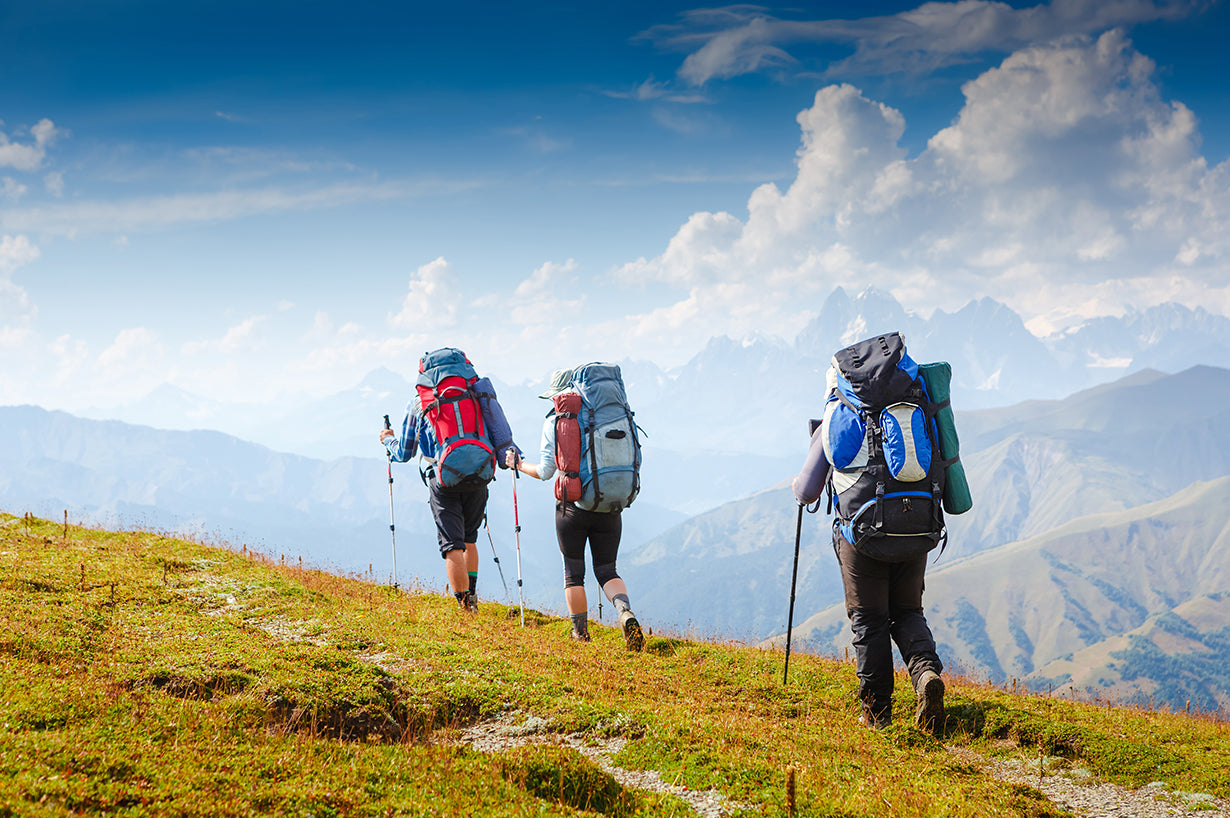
(141, 675)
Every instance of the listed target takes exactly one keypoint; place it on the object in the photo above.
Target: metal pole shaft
(798, 533)
(496, 557)
(517, 531)
(392, 525)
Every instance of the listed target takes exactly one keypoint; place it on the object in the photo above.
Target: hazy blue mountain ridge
(332, 513)
(751, 395)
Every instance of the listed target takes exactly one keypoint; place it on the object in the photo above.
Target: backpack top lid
(600, 384)
(875, 371)
(442, 363)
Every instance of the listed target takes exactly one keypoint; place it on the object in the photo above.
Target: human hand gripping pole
(798, 533)
(517, 532)
(392, 527)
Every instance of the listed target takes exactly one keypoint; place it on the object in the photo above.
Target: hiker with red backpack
(886, 449)
(455, 424)
(591, 447)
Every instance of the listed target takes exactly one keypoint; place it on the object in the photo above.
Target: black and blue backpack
(880, 437)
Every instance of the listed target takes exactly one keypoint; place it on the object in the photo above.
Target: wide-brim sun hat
(561, 380)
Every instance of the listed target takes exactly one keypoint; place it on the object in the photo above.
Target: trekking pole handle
(387, 425)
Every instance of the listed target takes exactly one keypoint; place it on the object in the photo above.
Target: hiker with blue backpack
(886, 450)
(456, 425)
(591, 447)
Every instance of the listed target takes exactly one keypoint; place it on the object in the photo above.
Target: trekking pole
(495, 557)
(798, 533)
(392, 527)
(517, 531)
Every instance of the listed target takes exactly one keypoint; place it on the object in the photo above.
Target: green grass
(142, 675)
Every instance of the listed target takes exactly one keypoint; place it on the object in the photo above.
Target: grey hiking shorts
(458, 513)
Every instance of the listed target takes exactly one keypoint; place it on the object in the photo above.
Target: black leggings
(573, 526)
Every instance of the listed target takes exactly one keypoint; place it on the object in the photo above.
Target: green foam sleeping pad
(938, 377)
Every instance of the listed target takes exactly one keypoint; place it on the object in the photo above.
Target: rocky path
(1076, 790)
(517, 729)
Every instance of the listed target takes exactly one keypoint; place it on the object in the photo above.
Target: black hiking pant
(884, 603)
(573, 527)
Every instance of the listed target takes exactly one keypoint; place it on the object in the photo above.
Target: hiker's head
(561, 379)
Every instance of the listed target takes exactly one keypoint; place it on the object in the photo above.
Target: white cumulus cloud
(1066, 186)
(236, 339)
(16, 251)
(11, 189)
(132, 347)
(28, 155)
(432, 301)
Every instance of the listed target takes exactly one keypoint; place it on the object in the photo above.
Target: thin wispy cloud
(537, 139)
(158, 212)
(734, 40)
(651, 91)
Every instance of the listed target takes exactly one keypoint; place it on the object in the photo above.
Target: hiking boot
(469, 602)
(929, 714)
(634, 637)
(874, 716)
(580, 636)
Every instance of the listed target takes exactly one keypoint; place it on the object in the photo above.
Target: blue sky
(261, 204)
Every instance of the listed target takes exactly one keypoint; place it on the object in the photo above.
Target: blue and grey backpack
(610, 446)
(880, 437)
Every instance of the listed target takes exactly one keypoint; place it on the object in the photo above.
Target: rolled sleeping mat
(499, 433)
(938, 378)
(567, 447)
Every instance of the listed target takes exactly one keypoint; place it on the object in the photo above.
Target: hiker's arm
(546, 469)
(404, 448)
(809, 483)
(526, 468)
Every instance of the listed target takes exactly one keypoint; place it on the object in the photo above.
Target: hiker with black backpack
(455, 424)
(886, 449)
(591, 447)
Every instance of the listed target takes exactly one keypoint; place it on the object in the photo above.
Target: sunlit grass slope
(141, 675)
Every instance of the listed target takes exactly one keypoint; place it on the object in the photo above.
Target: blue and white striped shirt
(417, 436)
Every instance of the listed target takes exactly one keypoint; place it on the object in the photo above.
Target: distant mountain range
(736, 412)
(334, 514)
(752, 395)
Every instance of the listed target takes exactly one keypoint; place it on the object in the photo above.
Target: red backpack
(445, 382)
(567, 446)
